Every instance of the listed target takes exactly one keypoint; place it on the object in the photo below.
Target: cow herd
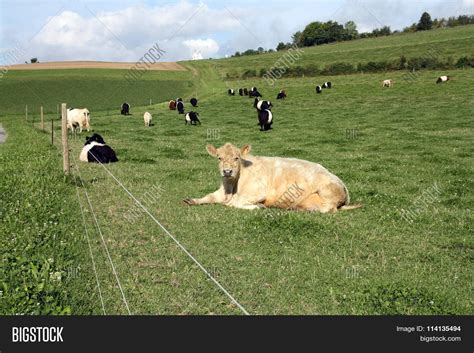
(96, 150)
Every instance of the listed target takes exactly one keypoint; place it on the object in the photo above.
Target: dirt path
(165, 66)
(3, 134)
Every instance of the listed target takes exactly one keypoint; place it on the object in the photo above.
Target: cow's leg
(253, 203)
(214, 197)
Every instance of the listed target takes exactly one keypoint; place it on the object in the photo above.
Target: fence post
(26, 112)
(64, 138)
(42, 118)
(52, 131)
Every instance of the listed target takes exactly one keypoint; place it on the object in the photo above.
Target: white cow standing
(147, 118)
(78, 118)
(387, 83)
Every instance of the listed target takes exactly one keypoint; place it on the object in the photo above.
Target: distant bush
(338, 69)
(249, 73)
(465, 62)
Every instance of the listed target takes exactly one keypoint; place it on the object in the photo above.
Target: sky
(124, 30)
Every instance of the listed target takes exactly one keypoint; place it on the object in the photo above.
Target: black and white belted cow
(264, 114)
(246, 92)
(96, 151)
(230, 92)
(125, 109)
(194, 102)
(241, 92)
(262, 105)
(265, 119)
(442, 79)
(254, 92)
(192, 118)
(326, 85)
(318, 89)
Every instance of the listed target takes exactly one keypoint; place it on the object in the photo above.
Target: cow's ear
(245, 150)
(211, 150)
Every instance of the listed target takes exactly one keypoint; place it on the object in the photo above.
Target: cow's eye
(236, 158)
(219, 158)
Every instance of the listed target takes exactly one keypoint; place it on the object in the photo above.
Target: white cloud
(127, 34)
(202, 48)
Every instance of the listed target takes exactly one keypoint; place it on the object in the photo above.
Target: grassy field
(408, 148)
(444, 43)
(98, 89)
(44, 268)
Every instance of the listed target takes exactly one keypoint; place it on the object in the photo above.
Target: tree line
(317, 33)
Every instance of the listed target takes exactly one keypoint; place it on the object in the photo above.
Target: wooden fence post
(64, 138)
(42, 118)
(26, 113)
(52, 131)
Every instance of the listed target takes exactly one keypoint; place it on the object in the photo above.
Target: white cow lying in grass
(251, 182)
(78, 118)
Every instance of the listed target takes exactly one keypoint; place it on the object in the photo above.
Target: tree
(295, 38)
(260, 50)
(34, 60)
(425, 22)
(351, 30)
(281, 46)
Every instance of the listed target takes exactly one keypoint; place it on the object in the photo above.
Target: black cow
(180, 107)
(96, 151)
(192, 117)
(125, 109)
(194, 102)
(246, 92)
(281, 94)
(327, 85)
(241, 92)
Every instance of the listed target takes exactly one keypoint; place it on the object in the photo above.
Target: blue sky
(123, 30)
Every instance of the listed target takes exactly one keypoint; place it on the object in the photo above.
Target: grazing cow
(241, 92)
(180, 107)
(125, 109)
(318, 89)
(262, 105)
(387, 83)
(78, 118)
(254, 92)
(230, 92)
(246, 92)
(172, 105)
(251, 182)
(192, 117)
(265, 119)
(442, 79)
(326, 85)
(96, 151)
(281, 94)
(147, 118)
(194, 102)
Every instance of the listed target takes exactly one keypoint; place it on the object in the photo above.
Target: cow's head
(230, 158)
(94, 138)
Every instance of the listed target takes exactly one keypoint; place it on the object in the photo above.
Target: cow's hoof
(189, 202)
